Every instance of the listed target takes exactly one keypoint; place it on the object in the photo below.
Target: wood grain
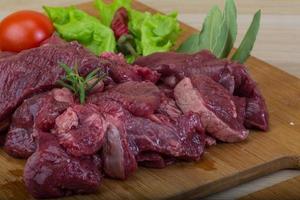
(286, 190)
(223, 166)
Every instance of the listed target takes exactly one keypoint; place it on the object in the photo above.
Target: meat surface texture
(118, 159)
(214, 104)
(51, 172)
(233, 76)
(140, 98)
(121, 71)
(156, 142)
(40, 111)
(81, 130)
(35, 70)
(164, 108)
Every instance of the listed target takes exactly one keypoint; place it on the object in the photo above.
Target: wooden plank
(285, 190)
(223, 166)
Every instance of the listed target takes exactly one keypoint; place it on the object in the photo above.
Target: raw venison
(180, 139)
(81, 129)
(140, 98)
(51, 172)
(35, 70)
(40, 110)
(121, 71)
(216, 106)
(168, 107)
(183, 140)
(118, 159)
(233, 76)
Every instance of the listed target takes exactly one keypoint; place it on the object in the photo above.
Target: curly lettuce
(74, 24)
(152, 33)
(107, 10)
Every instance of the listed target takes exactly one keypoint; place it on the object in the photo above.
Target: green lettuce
(158, 33)
(107, 11)
(152, 33)
(74, 24)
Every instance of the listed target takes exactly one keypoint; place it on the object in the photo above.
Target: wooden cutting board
(285, 190)
(223, 166)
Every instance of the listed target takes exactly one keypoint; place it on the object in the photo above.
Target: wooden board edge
(285, 162)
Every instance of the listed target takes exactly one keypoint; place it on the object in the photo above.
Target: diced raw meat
(233, 76)
(36, 70)
(50, 172)
(140, 98)
(182, 140)
(81, 129)
(121, 71)
(214, 104)
(168, 107)
(118, 159)
(40, 109)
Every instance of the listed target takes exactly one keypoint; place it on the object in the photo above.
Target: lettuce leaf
(74, 24)
(154, 33)
(107, 11)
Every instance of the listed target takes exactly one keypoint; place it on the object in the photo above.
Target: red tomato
(24, 30)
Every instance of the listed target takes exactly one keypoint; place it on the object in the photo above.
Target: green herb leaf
(230, 14)
(221, 41)
(190, 45)
(243, 52)
(77, 84)
(211, 29)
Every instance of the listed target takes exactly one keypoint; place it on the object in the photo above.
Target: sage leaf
(230, 14)
(221, 41)
(190, 45)
(210, 29)
(243, 52)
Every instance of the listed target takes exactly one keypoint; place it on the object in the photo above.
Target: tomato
(24, 30)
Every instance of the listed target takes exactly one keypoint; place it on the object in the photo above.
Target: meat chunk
(159, 136)
(232, 76)
(168, 107)
(35, 70)
(81, 129)
(118, 159)
(214, 104)
(40, 110)
(183, 140)
(140, 98)
(121, 71)
(51, 172)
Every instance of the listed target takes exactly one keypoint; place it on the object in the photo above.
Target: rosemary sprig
(79, 85)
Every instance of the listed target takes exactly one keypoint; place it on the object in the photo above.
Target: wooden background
(278, 42)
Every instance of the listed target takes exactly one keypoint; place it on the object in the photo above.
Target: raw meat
(51, 172)
(118, 159)
(168, 107)
(35, 70)
(233, 76)
(120, 71)
(42, 110)
(81, 129)
(217, 108)
(140, 98)
(183, 140)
